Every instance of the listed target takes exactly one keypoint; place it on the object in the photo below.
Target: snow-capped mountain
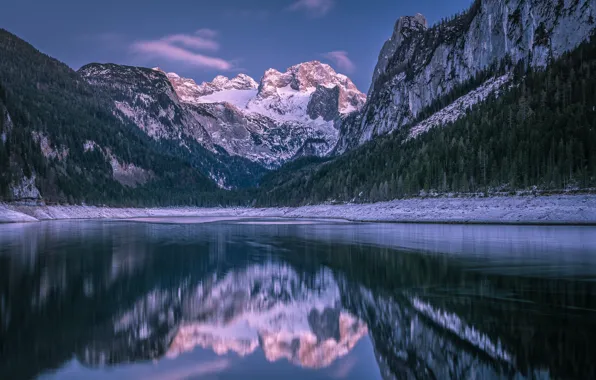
(290, 96)
(286, 111)
(420, 64)
(188, 90)
(286, 115)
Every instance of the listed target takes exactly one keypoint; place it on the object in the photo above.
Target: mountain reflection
(268, 306)
(109, 294)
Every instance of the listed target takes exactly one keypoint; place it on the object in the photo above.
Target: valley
(496, 99)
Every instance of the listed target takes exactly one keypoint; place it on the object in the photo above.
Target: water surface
(243, 298)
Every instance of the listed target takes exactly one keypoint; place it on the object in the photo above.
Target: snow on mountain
(280, 96)
(260, 138)
(189, 91)
(288, 94)
(277, 119)
(460, 106)
(141, 95)
(238, 98)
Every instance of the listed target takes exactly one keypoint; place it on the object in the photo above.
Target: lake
(193, 298)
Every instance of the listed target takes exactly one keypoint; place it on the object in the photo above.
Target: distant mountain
(266, 123)
(188, 90)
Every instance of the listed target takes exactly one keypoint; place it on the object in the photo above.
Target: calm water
(178, 299)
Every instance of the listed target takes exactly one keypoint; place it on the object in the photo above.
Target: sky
(200, 39)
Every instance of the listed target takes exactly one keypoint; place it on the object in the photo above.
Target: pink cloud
(166, 50)
(314, 7)
(196, 42)
(183, 48)
(341, 60)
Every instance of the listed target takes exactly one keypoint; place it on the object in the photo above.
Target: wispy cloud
(341, 60)
(196, 42)
(184, 48)
(315, 8)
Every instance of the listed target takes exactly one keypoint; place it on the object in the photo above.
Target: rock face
(143, 95)
(419, 64)
(324, 103)
(286, 115)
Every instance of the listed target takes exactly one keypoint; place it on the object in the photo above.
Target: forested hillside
(541, 132)
(63, 140)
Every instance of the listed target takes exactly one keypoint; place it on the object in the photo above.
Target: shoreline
(514, 210)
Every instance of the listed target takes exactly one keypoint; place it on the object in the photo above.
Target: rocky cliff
(419, 65)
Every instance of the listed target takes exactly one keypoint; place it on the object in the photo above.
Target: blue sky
(203, 38)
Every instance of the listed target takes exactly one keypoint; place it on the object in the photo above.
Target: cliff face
(417, 65)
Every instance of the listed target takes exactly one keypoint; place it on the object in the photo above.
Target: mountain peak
(406, 25)
(244, 82)
(220, 81)
(306, 78)
(189, 91)
(416, 21)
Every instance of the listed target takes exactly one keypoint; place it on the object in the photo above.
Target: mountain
(511, 83)
(129, 129)
(266, 124)
(65, 140)
(146, 98)
(420, 66)
(188, 90)
(512, 80)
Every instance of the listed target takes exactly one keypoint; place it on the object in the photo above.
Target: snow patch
(237, 98)
(220, 181)
(569, 209)
(459, 107)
